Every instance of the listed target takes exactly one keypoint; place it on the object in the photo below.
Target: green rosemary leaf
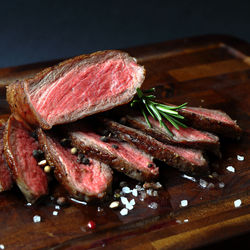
(139, 93)
(148, 91)
(148, 109)
(145, 116)
(155, 111)
(170, 120)
(150, 97)
(161, 108)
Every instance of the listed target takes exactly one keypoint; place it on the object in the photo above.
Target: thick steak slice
(81, 181)
(18, 149)
(183, 137)
(190, 161)
(210, 120)
(76, 88)
(119, 155)
(5, 174)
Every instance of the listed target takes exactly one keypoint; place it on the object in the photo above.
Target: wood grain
(208, 71)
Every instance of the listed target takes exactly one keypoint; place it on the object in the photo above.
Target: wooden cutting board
(208, 71)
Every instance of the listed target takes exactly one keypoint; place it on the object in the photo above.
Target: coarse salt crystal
(186, 220)
(150, 192)
(240, 158)
(143, 195)
(237, 203)
(155, 193)
(138, 187)
(132, 202)
(124, 211)
(28, 204)
(231, 169)
(36, 219)
(135, 192)
(124, 200)
(203, 183)
(189, 177)
(126, 190)
(2, 246)
(221, 185)
(129, 206)
(184, 203)
(57, 207)
(178, 221)
(153, 205)
(55, 213)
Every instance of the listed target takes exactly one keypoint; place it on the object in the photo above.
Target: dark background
(33, 31)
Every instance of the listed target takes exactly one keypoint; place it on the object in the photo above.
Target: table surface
(208, 71)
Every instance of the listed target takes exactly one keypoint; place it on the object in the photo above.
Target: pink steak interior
(92, 178)
(188, 133)
(124, 150)
(5, 176)
(82, 88)
(27, 167)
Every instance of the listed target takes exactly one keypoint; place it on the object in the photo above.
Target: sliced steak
(5, 174)
(190, 161)
(18, 150)
(82, 181)
(210, 120)
(119, 155)
(181, 137)
(76, 88)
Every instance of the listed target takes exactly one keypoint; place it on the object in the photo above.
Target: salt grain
(178, 221)
(57, 207)
(2, 246)
(42, 163)
(132, 202)
(189, 178)
(36, 219)
(28, 204)
(184, 203)
(135, 192)
(155, 193)
(126, 190)
(186, 220)
(124, 211)
(150, 192)
(55, 213)
(203, 183)
(240, 158)
(138, 187)
(129, 206)
(231, 169)
(143, 195)
(221, 185)
(237, 203)
(153, 205)
(124, 200)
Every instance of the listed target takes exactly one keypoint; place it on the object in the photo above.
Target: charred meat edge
(157, 149)
(115, 161)
(49, 151)
(18, 97)
(30, 197)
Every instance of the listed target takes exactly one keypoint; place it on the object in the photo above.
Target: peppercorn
(115, 146)
(85, 161)
(150, 165)
(38, 154)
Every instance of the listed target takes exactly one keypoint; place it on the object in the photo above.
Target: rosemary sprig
(157, 110)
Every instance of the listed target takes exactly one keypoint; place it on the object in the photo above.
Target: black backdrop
(32, 31)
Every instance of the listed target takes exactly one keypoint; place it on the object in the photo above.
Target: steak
(76, 88)
(210, 120)
(119, 155)
(5, 174)
(190, 161)
(18, 150)
(181, 137)
(81, 181)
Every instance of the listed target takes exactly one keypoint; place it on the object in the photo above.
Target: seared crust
(18, 92)
(114, 161)
(200, 121)
(13, 164)
(212, 145)
(4, 184)
(47, 145)
(157, 149)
